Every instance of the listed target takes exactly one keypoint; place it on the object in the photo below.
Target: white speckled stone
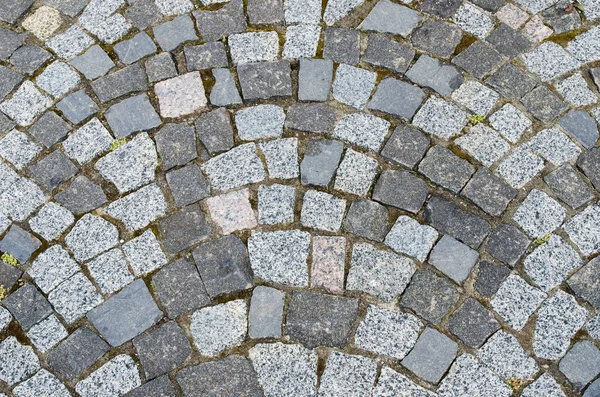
(177, 7)
(42, 384)
(51, 221)
(387, 332)
(88, 141)
(144, 253)
(115, 378)
(576, 91)
(549, 61)
(550, 263)
(131, 165)
(91, 236)
(554, 146)
(18, 149)
(476, 97)
(219, 328)
(280, 257)
(545, 386)
(100, 19)
(380, 273)
(363, 130)
(468, 377)
(337, 9)
(253, 47)
(17, 361)
(140, 208)
(474, 21)
(352, 85)
(74, 298)
(23, 197)
(110, 271)
(503, 354)
(516, 300)
(70, 43)
(52, 267)
(586, 46)
(584, 230)
(440, 118)
(43, 22)
(520, 167)
(301, 41)
(539, 214)
(347, 375)
(484, 144)
(356, 173)
(5, 318)
(285, 370)
(276, 204)
(510, 122)
(232, 211)
(47, 333)
(409, 237)
(559, 318)
(238, 167)
(26, 104)
(593, 327)
(57, 79)
(260, 122)
(322, 211)
(282, 157)
(394, 384)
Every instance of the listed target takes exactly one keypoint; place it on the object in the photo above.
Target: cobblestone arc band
(299, 198)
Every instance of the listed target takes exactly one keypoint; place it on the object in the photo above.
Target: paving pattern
(299, 198)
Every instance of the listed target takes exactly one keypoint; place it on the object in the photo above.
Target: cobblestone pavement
(299, 198)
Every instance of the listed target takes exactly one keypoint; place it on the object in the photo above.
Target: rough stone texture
(347, 374)
(449, 218)
(328, 263)
(242, 158)
(367, 219)
(144, 253)
(550, 264)
(444, 168)
(387, 53)
(110, 271)
(27, 305)
(47, 333)
(352, 86)
(322, 211)
(314, 79)
(18, 361)
(389, 274)
(276, 204)
(117, 377)
(81, 196)
(584, 281)
(431, 73)
(489, 192)
(285, 369)
(184, 228)
(228, 376)
(180, 95)
(440, 118)
(232, 211)
(516, 300)
(280, 256)
(469, 376)
(544, 385)
(281, 156)
(52, 267)
(401, 189)
(375, 331)
(503, 353)
(472, 323)
(139, 208)
(320, 161)
(387, 98)
(119, 116)
(126, 314)
(219, 328)
(74, 298)
(264, 80)
(507, 244)
(320, 320)
(431, 355)
(539, 214)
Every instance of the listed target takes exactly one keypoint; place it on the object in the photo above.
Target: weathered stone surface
(266, 313)
(431, 355)
(219, 328)
(184, 228)
(320, 162)
(401, 189)
(126, 315)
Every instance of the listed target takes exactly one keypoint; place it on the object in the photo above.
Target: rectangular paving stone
(301, 41)
(479, 59)
(181, 95)
(510, 122)
(569, 187)
(516, 300)
(91, 236)
(93, 63)
(446, 169)
(363, 130)
(352, 85)
(453, 258)
(176, 145)
(77, 107)
(387, 53)
(318, 118)
(320, 161)
(409, 237)
(320, 320)
(144, 253)
(136, 48)
(76, 353)
(386, 98)
(184, 228)
(52, 267)
(118, 376)
(223, 266)
(476, 97)
(488, 278)
(322, 211)
(54, 169)
(49, 129)
(388, 17)
(265, 12)
(214, 25)
(8, 80)
(401, 189)
(440, 118)
(158, 387)
(47, 333)
(520, 167)
(449, 218)
(179, 288)
(314, 79)
(347, 374)
(170, 35)
(224, 92)
(430, 72)
(260, 122)
(19, 243)
(472, 377)
(81, 196)
(28, 306)
(431, 355)
(550, 263)
(356, 173)
(406, 146)
(489, 192)
(160, 67)
(206, 56)
(367, 219)
(119, 116)
(110, 271)
(472, 323)
(126, 314)
(511, 82)
(26, 104)
(124, 81)
(18, 149)
(328, 263)
(266, 313)
(549, 61)
(342, 45)
(242, 158)
(265, 80)
(539, 214)
(188, 185)
(581, 126)
(580, 364)
(507, 243)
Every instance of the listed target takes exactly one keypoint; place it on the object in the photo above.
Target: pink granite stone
(181, 95)
(232, 211)
(512, 15)
(328, 263)
(536, 31)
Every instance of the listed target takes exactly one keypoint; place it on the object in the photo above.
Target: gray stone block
(314, 79)
(81, 196)
(429, 296)
(367, 219)
(401, 189)
(397, 98)
(131, 115)
(28, 306)
(429, 72)
(437, 37)
(266, 313)
(431, 356)
(77, 107)
(320, 161)
(265, 80)
(184, 228)
(126, 314)
(453, 258)
(121, 82)
(472, 323)
(170, 35)
(581, 364)
(507, 244)
(19, 243)
(581, 126)
(136, 48)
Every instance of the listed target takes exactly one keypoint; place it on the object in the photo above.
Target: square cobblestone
(353, 86)
(431, 355)
(446, 169)
(232, 211)
(539, 214)
(401, 189)
(276, 204)
(516, 300)
(440, 118)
